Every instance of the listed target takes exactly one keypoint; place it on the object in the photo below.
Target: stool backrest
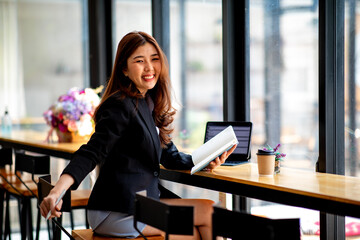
(168, 218)
(5, 157)
(239, 225)
(44, 188)
(32, 164)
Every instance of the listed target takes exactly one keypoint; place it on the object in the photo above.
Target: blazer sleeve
(113, 119)
(171, 158)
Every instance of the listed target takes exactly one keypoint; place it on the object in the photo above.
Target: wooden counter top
(319, 191)
(32, 140)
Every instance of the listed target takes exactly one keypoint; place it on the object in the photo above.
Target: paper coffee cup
(266, 162)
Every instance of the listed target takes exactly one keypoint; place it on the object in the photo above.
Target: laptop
(242, 153)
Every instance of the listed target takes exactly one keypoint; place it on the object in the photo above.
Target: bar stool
(44, 187)
(168, 218)
(24, 189)
(239, 225)
(8, 178)
(19, 185)
(6, 173)
(71, 200)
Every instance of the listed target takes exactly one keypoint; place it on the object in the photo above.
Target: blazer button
(156, 174)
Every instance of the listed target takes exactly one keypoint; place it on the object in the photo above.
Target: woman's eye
(155, 59)
(139, 61)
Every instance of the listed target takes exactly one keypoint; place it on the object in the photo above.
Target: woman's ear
(125, 72)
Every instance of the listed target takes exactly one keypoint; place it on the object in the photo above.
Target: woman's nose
(148, 67)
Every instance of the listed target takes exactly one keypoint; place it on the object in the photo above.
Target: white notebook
(213, 148)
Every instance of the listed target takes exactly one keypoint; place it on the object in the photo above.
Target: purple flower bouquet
(72, 114)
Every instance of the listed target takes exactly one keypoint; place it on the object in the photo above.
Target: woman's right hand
(48, 204)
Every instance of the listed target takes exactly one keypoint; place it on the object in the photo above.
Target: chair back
(44, 188)
(5, 157)
(168, 218)
(32, 164)
(239, 225)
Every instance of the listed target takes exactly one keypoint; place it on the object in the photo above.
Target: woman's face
(144, 67)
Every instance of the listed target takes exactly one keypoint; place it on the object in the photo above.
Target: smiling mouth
(149, 77)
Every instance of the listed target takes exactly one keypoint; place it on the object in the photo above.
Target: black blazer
(126, 145)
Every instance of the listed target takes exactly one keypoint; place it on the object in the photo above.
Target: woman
(131, 138)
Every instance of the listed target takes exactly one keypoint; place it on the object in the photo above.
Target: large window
(352, 86)
(196, 68)
(43, 53)
(284, 79)
(43, 47)
(131, 15)
(284, 90)
(196, 75)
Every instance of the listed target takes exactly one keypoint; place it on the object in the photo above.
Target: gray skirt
(114, 224)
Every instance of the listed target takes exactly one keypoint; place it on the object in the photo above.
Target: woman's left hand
(220, 160)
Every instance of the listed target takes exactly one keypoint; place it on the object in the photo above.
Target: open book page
(213, 148)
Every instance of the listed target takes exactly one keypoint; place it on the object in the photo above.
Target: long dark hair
(160, 94)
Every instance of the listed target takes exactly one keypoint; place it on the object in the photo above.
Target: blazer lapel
(145, 114)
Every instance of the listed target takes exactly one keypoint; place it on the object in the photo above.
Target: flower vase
(67, 137)
(277, 167)
(78, 138)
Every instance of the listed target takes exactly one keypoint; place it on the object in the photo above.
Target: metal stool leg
(29, 221)
(23, 225)
(86, 220)
(71, 220)
(38, 222)
(2, 199)
(7, 231)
